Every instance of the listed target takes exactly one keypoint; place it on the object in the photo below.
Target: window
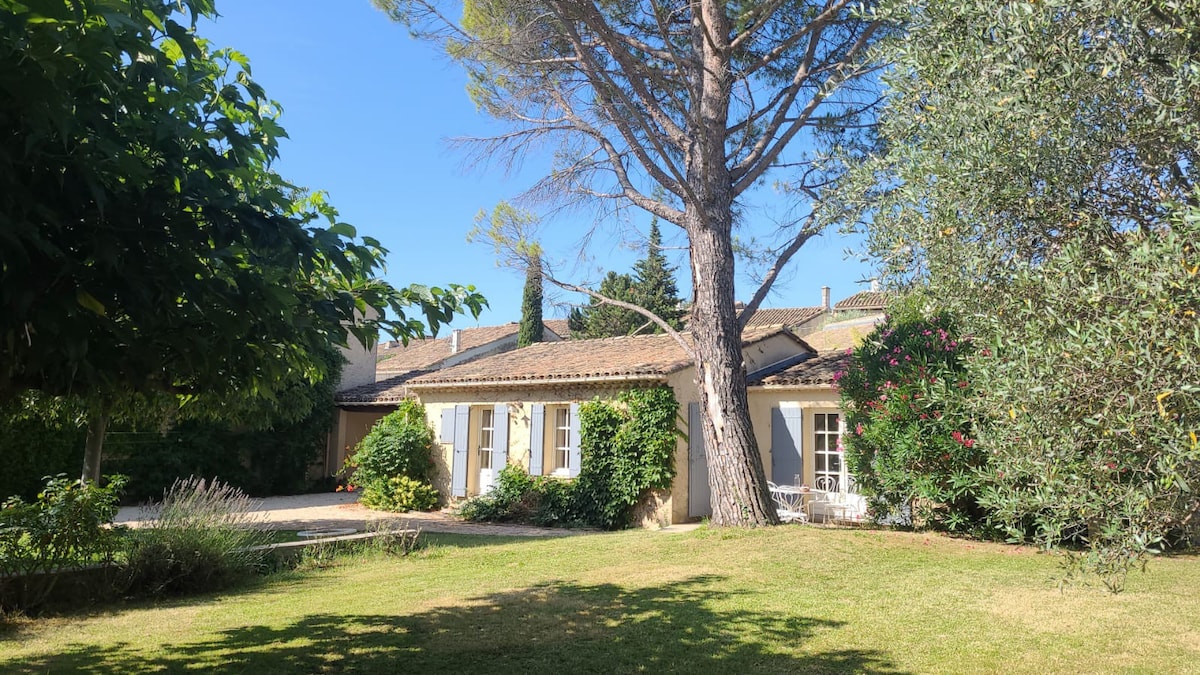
(487, 431)
(827, 429)
(562, 440)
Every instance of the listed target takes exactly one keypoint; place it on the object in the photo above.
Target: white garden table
(791, 501)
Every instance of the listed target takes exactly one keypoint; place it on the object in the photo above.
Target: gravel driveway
(340, 510)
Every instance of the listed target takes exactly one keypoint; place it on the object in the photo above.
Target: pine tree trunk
(97, 423)
(736, 478)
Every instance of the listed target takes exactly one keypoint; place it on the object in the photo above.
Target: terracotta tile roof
(633, 357)
(559, 326)
(389, 388)
(863, 300)
(838, 338)
(787, 316)
(818, 370)
(636, 357)
(416, 354)
(426, 353)
(647, 357)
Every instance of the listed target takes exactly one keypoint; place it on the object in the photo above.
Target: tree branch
(806, 232)
(675, 335)
(763, 156)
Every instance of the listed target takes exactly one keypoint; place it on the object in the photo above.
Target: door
(487, 429)
(787, 460)
(485, 450)
(493, 445)
(699, 498)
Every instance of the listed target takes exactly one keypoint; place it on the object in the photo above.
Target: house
(375, 380)
(795, 318)
(800, 320)
(496, 407)
(798, 423)
(521, 407)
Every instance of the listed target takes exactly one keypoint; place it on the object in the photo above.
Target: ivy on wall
(628, 450)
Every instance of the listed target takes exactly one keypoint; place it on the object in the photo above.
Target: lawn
(790, 599)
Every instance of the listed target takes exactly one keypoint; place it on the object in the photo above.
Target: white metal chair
(829, 500)
(856, 504)
(789, 503)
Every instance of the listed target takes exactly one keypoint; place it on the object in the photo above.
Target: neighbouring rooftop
(874, 301)
(784, 316)
(818, 370)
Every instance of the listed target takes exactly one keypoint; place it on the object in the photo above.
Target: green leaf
(344, 230)
(89, 302)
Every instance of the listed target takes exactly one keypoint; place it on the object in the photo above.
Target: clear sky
(369, 112)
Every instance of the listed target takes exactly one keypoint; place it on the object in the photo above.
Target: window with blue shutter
(500, 437)
(447, 435)
(787, 457)
(537, 438)
(575, 456)
(458, 468)
(699, 495)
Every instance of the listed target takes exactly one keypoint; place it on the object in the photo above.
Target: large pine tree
(654, 286)
(702, 99)
(599, 319)
(651, 287)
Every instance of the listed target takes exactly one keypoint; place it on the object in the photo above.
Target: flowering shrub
(203, 536)
(400, 444)
(910, 444)
(401, 494)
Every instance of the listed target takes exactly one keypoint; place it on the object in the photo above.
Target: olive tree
(1040, 183)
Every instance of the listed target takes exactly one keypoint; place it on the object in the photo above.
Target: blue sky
(369, 112)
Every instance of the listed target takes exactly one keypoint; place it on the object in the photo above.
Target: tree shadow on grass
(559, 627)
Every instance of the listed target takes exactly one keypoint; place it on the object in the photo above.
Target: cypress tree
(531, 328)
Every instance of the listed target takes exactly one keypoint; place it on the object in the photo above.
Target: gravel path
(340, 510)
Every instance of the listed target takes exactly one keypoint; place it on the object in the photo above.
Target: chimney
(825, 298)
(875, 284)
(455, 340)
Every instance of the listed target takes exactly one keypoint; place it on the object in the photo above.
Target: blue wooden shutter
(786, 445)
(537, 438)
(447, 435)
(458, 468)
(699, 496)
(500, 437)
(575, 456)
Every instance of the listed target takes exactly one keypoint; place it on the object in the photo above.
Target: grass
(791, 599)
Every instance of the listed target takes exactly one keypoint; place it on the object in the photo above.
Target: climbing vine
(628, 450)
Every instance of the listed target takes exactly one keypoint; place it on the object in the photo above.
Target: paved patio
(341, 510)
